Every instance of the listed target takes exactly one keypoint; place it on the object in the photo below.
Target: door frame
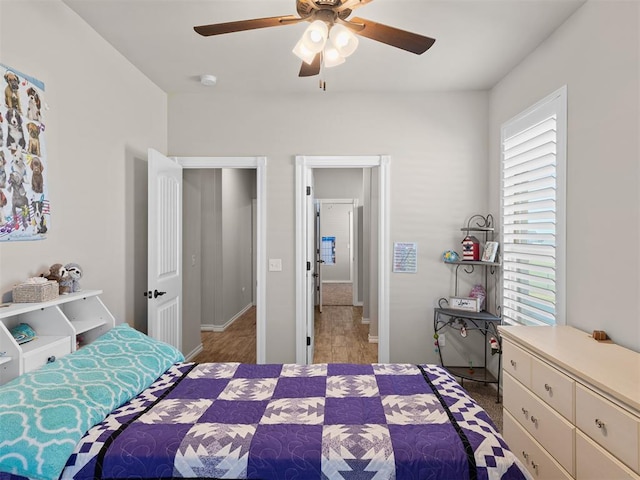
(260, 165)
(304, 163)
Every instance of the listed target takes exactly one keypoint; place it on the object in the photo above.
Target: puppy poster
(24, 194)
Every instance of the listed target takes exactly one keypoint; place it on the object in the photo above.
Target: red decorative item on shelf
(470, 248)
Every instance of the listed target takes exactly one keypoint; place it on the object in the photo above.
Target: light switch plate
(275, 264)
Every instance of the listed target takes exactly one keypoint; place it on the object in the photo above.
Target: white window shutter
(532, 217)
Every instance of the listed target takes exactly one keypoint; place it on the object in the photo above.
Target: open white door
(311, 266)
(164, 277)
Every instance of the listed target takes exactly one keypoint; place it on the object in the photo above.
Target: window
(533, 213)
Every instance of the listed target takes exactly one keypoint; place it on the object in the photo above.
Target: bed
(127, 406)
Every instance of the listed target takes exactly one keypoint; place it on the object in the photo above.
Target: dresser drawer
(42, 356)
(538, 462)
(517, 362)
(594, 463)
(545, 425)
(554, 387)
(608, 425)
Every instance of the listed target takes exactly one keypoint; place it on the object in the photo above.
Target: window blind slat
(523, 198)
(548, 138)
(547, 250)
(546, 205)
(539, 184)
(543, 277)
(531, 217)
(520, 317)
(530, 176)
(532, 289)
(533, 131)
(532, 161)
(530, 228)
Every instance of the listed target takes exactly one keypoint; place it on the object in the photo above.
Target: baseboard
(208, 327)
(365, 321)
(193, 353)
(358, 304)
(373, 339)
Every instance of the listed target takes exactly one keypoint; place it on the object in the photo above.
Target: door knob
(157, 294)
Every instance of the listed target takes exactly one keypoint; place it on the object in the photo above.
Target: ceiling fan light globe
(343, 40)
(332, 57)
(303, 53)
(315, 36)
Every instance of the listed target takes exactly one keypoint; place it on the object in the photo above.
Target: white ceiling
(477, 43)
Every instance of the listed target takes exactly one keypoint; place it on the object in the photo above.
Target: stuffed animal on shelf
(58, 273)
(75, 273)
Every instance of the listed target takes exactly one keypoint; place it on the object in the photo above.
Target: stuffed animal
(75, 273)
(59, 274)
(66, 282)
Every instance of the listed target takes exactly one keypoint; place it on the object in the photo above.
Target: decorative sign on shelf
(405, 257)
(24, 190)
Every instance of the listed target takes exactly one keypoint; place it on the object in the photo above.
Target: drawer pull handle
(513, 363)
(525, 455)
(534, 419)
(525, 412)
(534, 465)
(51, 359)
(547, 387)
(599, 423)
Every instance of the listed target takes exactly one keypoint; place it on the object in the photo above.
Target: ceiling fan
(330, 37)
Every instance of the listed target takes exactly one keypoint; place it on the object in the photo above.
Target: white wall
(237, 258)
(103, 116)
(438, 144)
(192, 271)
(596, 53)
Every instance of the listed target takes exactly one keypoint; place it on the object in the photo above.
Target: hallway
(340, 337)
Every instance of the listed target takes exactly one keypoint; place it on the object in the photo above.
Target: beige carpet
(486, 396)
(337, 294)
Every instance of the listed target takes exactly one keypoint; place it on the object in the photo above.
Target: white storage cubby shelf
(57, 323)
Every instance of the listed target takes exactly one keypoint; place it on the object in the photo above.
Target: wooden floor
(340, 337)
(236, 344)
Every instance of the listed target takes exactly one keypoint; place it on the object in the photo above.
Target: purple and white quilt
(324, 421)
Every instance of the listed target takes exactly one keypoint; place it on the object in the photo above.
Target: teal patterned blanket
(45, 413)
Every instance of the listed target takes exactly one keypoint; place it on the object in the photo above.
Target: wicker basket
(35, 292)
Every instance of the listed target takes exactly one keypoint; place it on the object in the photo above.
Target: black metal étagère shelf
(463, 321)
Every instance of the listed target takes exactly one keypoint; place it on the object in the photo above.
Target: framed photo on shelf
(490, 252)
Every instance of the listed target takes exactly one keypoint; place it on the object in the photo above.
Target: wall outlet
(441, 340)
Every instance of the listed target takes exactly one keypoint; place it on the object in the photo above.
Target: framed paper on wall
(24, 190)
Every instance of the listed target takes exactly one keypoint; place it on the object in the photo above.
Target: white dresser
(571, 403)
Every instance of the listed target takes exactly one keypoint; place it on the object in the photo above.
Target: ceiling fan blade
(411, 42)
(351, 4)
(309, 70)
(242, 25)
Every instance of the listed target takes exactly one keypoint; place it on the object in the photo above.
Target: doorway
(160, 225)
(305, 261)
(260, 166)
(218, 261)
(338, 250)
